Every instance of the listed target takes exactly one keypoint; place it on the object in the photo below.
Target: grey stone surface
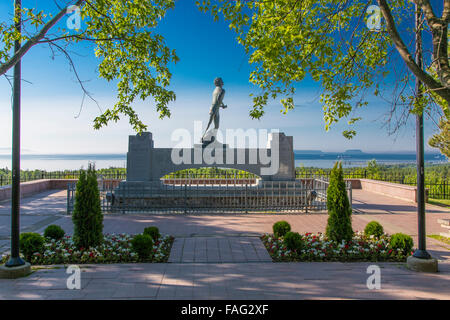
(422, 265)
(214, 249)
(15, 272)
(139, 157)
(146, 163)
(303, 280)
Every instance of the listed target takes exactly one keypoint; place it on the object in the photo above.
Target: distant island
(353, 151)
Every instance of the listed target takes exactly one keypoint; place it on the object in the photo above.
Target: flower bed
(318, 248)
(116, 248)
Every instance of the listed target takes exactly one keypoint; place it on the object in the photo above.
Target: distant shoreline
(59, 162)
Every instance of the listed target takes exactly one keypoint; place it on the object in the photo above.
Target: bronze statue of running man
(217, 103)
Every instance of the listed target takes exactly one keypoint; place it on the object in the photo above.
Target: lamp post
(421, 252)
(15, 259)
(421, 259)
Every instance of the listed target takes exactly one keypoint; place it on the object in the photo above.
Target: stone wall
(395, 190)
(32, 187)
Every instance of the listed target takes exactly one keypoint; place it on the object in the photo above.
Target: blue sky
(207, 49)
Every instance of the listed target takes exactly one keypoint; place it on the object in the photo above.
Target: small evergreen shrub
(402, 241)
(30, 243)
(153, 232)
(374, 228)
(87, 214)
(293, 241)
(54, 232)
(339, 226)
(142, 244)
(280, 228)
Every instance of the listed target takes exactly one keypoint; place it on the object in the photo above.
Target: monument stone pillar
(139, 157)
(286, 163)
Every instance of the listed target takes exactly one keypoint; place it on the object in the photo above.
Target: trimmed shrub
(153, 232)
(374, 228)
(339, 226)
(142, 244)
(54, 232)
(87, 214)
(280, 228)
(30, 243)
(293, 241)
(402, 241)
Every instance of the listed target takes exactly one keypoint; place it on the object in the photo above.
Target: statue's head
(218, 81)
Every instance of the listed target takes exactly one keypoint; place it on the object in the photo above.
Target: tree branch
(80, 82)
(34, 40)
(446, 11)
(391, 28)
(427, 9)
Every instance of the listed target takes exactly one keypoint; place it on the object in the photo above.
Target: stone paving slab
(316, 280)
(36, 212)
(218, 250)
(49, 202)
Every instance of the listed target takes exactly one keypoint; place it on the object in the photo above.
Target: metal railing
(224, 196)
(436, 190)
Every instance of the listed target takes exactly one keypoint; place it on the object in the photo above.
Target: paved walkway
(231, 281)
(220, 256)
(219, 250)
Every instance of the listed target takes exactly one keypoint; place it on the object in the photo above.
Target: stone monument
(146, 163)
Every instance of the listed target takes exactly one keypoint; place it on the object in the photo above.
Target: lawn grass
(440, 238)
(440, 202)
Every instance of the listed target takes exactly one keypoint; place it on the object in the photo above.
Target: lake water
(313, 159)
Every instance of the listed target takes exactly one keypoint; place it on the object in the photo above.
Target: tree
(339, 226)
(331, 41)
(441, 140)
(373, 169)
(125, 42)
(87, 214)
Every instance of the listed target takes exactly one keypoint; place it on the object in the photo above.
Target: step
(444, 222)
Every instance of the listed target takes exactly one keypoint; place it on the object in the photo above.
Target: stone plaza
(221, 257)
